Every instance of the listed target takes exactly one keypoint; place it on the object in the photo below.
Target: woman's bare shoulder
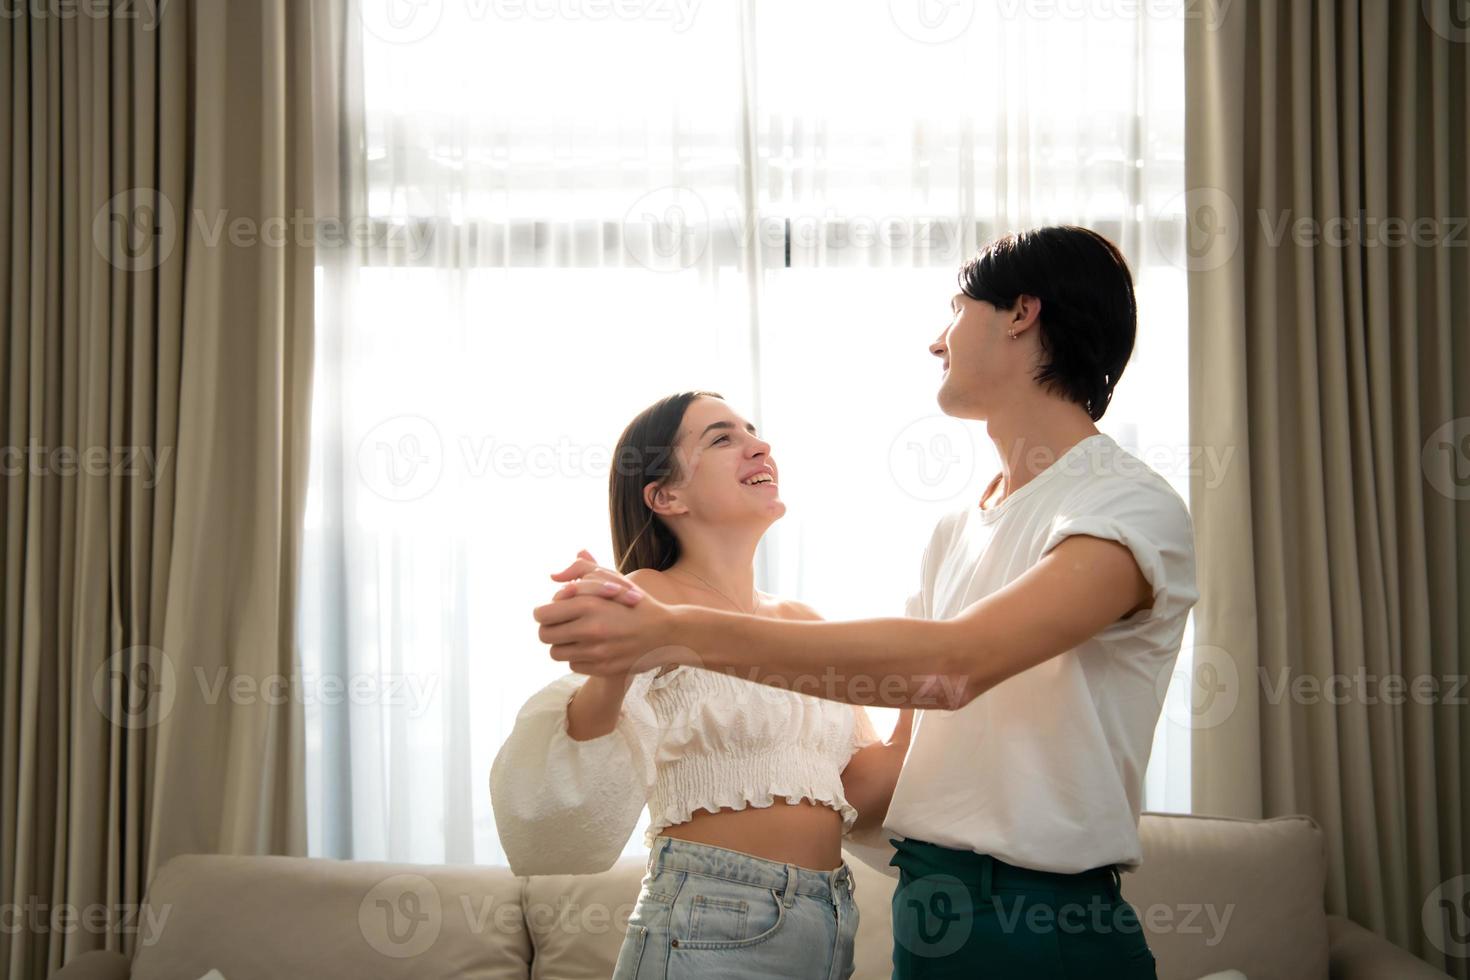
(779, 608)
(663, 587)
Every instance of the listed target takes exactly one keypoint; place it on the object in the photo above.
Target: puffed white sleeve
(863, 732)
(564, 806)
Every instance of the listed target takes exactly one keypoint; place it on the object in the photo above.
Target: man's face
(982, 364)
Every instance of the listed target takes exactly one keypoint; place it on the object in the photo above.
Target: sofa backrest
(267, 918)
(1214, 894)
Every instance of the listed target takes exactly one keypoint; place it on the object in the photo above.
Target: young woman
(750, 788)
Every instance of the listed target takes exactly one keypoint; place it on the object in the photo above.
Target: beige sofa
(1214, 894)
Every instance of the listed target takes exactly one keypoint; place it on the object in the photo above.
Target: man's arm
(1080, 587)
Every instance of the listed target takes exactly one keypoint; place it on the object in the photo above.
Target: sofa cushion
(263, 918)
(1358, 954)
(1216, 894)
(99, 964)
(577, 922)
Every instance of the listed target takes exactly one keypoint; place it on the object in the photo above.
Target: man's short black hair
(1089, 317)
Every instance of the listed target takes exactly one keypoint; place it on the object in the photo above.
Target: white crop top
(687, 740)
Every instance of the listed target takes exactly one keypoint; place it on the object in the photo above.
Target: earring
(1013, 334)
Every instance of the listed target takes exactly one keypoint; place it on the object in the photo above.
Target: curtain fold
(1329, 313)
(157, 282)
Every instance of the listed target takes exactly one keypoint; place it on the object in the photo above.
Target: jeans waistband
(987, 871)
(670, 853)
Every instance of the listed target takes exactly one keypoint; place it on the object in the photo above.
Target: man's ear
(662, 500)
(1024, 314)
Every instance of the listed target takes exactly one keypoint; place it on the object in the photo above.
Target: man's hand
(627, 635)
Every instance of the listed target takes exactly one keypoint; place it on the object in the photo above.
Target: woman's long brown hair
(644, 455)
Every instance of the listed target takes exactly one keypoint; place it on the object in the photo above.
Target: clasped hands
(602, 624)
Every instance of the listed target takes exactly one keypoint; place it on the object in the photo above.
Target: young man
(1050, 611)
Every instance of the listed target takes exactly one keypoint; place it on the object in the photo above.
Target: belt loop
(837, 879)
(788, 898)
(987, 866)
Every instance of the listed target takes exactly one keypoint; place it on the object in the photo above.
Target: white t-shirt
(1045, 770)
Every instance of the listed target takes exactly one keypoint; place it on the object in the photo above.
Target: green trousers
(957, 914)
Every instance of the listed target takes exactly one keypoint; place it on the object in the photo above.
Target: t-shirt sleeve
(1150, 520)
(917, 605)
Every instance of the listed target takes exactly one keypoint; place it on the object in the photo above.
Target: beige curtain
(1330, 351)
(156, 275)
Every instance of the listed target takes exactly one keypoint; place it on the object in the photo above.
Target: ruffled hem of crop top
(676, 813)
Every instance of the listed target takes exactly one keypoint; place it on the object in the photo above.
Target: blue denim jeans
(714, 914)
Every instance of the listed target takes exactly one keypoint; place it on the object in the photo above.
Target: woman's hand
(585, 577)
(602, 624)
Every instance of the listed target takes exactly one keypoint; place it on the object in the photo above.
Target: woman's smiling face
(726, 472)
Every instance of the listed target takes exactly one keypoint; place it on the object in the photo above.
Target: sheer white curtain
(563, 212)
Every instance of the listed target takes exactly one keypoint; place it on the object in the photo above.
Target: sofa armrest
(99, 964)
(1358, 954)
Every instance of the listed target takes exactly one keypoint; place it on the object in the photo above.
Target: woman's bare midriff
(806, 834)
